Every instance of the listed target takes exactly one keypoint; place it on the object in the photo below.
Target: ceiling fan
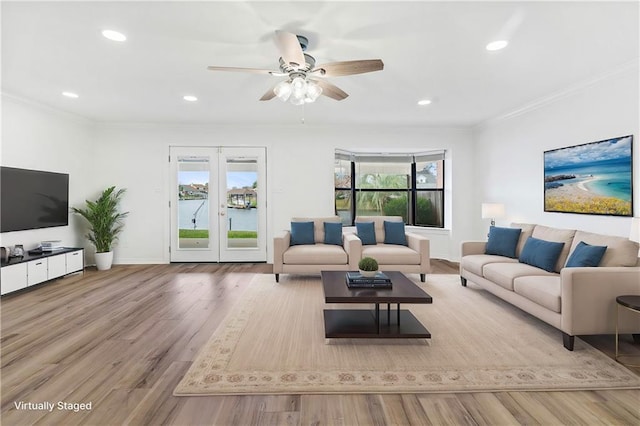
(303, 84)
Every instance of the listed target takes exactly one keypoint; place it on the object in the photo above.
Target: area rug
(273, 343)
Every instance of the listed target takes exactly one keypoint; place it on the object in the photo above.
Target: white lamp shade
(492, 210)
(634, 234)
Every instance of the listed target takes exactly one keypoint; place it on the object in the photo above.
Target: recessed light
(190, 98)
(70, 95)
(497, 45)
(424, 102)
(114, 35)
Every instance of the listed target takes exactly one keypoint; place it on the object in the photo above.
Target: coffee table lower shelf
(361, 324)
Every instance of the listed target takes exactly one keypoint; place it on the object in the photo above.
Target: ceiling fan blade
(237, 69)
(337, 69)
(270, 94)
(331, 90)
(289, 47)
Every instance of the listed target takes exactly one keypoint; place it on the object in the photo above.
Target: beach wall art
(592, 178)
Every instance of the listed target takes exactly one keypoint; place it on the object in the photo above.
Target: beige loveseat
(575, 300)
(313, 258)
(414, 258)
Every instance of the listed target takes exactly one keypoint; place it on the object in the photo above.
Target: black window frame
(412, 192)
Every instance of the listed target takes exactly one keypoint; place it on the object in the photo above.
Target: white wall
(509, 161)
(40, 138)
(299, 174)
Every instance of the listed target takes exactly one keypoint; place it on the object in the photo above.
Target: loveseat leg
(277, 278)
(567, 341)
(422, 277)
(463, 281)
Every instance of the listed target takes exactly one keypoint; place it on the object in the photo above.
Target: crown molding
(45, 108)
(630, 66)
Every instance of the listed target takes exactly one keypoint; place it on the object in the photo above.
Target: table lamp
(492, 211)
(634, 233)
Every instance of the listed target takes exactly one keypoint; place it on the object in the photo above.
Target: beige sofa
(313, 258)
(577, 301)
(413, 258)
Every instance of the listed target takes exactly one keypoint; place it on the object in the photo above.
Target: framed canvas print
(592, 178)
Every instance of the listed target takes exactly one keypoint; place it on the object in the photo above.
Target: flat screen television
(32, 199)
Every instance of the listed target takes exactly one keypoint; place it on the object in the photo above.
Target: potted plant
(368, 267)
(105, 223)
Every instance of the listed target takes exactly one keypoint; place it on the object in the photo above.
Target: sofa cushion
(318, 224)
(527, 230)
(503, 241)
(333, 233)
(391, 254)
(585, 255)
(475, 262)
(378, 223)
(394, 233)
(503, 274)
(302, 233)
(545, 291)
(556, 235)
(541, 254)
(366, 232)
(620, 251)
(316, 254)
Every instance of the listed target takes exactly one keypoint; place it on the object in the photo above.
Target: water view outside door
(193, 202)
(242, 202)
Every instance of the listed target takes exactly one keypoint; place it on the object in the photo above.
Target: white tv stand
(32, 269)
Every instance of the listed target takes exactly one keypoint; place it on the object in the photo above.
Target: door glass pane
(242, 203)
(193, 202)
(343, 206)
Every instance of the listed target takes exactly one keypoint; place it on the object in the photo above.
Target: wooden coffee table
(366, 323)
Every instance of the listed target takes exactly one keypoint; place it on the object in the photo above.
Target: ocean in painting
(607, 178)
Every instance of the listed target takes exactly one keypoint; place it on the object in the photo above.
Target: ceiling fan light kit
(299, 89)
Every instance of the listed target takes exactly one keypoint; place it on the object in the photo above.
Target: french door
(218, 204)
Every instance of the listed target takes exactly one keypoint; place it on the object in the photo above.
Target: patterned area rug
(273, 343)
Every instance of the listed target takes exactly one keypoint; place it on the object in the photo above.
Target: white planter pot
(104, 260)
(368, 274)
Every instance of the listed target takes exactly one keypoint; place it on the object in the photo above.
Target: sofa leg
(567, 341)
(463, 281)
(422, 277)
(277, 278)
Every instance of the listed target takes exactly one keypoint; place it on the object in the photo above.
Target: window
(407, 185)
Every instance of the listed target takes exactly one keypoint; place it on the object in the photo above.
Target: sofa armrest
(588, 303)
(353, 246)
(473, 247)
(421, 244)
(280, 245)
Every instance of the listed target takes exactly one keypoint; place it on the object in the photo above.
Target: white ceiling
(430, 50)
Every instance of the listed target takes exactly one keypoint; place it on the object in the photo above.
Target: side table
(631, 303)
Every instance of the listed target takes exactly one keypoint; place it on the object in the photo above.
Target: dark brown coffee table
(366, 323)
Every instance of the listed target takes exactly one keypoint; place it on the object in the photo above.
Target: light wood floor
(122, 339)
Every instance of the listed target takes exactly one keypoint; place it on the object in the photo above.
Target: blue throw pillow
(503, 241)
(541, 254)
(394, 233)
(586, 255)
(366, 232)
(302, 233)
(333, 233)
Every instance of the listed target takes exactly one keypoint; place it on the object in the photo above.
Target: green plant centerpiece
(368, 266)
(105, 224)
